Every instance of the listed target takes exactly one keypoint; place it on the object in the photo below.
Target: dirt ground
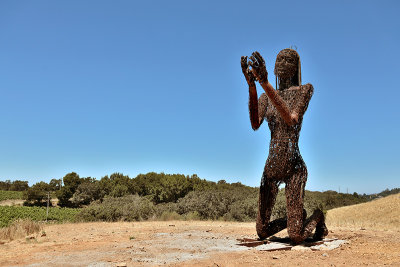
(20, 202)
(12, 202)
(188, 243)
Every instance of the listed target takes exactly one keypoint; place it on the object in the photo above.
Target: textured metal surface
(283, 109)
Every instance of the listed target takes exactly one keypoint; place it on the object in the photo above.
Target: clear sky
(98, 87)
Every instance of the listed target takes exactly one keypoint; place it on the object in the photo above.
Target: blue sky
(98, 87)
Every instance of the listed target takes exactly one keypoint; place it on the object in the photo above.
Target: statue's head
(288, 68)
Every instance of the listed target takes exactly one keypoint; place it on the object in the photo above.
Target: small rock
(209, 230)
(275, 257)
(121, 264)
(301, 248)
(324, 255)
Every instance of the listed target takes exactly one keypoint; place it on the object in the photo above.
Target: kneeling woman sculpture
(283, 109)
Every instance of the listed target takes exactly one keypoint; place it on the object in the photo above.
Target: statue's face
(286, 63)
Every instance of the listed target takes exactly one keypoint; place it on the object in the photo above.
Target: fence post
(48, 200)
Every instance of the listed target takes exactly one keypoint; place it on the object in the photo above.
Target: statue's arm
(260, 72)
(257, 107)
(289, 117)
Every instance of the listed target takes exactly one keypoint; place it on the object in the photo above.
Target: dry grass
(12, 202)
(20, 229)
(379, 214)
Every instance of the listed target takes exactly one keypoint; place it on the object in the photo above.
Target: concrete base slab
(275, 243)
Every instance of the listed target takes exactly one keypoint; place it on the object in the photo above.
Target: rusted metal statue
(283, 109)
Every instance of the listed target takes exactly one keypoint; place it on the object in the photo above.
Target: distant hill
(382, 213)
(386, 193)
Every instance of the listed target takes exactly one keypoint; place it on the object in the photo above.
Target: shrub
(243, 210)
(170, 216)
(279, 210)
(127, 208)
(229, 204)
(208, 204)
(192, 216)
(165, 208)
(119, 190)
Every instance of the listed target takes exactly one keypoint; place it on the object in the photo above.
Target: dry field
(383, 213)
(204, 243)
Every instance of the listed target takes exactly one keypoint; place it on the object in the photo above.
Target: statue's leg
(300, 228)
(266, 201)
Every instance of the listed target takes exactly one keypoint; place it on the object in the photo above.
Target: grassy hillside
(382, 213)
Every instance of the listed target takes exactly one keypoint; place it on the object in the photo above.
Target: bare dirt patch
(184, 243)
(12, 202)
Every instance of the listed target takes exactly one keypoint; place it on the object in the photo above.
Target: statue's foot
(320, 232)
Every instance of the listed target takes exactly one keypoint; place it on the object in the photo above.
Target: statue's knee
(295, 232)
(296, 238)
(261, 231)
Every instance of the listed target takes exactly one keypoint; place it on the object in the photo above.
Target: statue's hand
(258, 67)
(248, 74)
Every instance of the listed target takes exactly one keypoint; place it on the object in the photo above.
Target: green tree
(119, 190)
(18, 185)
(87, 191)
(72, 180)
(105, 185)
(64, 195)
(55, 184)
(162, 187)
(37, 194)
(5, 185)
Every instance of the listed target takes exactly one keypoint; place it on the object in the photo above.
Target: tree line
(75, 191)
(16, 185)
(159, 195)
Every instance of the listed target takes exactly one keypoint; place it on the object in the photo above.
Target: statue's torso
(284, 155)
